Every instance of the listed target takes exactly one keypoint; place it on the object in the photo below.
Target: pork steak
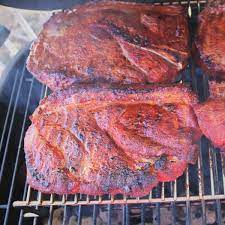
(211, 115)
(111, 139)
(113, 42)
(210, 41)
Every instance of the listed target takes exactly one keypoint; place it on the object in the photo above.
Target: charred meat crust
(210, 41)
(79, 140)
(211, 115)
(111, 42)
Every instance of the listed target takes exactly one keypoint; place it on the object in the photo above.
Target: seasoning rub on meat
(210, 40)
(111, 42)
(211, 115)
(99, 139)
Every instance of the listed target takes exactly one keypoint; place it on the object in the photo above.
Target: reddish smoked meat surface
(210, 41)
(111, 42)
(211, 115)
(111, 139)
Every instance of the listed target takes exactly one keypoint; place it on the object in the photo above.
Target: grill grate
(201, 187)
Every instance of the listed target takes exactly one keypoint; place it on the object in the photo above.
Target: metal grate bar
(158, 218)
(21, 211)
(64, 215)
(50, 217)
(175, 190)
(187, 185)
(29, 188)
(203, 213)
(28, 195)
(51, 197)
(163, 191)
(11, 124)
(173, 213)
(200, 158)
(117, 201)
(26, 186)
(125, 210)
(188, 213)
(8, 110)
(109, 221)
(223, 172)
(199, 6)
(150, 195)
(75, 199)
(39, 200)
(142, 214)
(173, 208)
(39, 193)
(200, 177)
(35, 218)
(201, 183)
(216, 185)
(63, 199)
(156, 211)
(79, 215)
(124, 214)
(18, 154)
(127, 215)
(44, 90)
(205, 93)
(211, 172)
(94, 217)
(218, 212)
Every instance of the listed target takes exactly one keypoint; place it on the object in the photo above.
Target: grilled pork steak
(113, 42)
(111, 139)
(211, 115)
(210, 41)
(215, 3)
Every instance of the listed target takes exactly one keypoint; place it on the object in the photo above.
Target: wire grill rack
(202, 184)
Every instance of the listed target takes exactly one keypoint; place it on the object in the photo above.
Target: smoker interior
(197, 197)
